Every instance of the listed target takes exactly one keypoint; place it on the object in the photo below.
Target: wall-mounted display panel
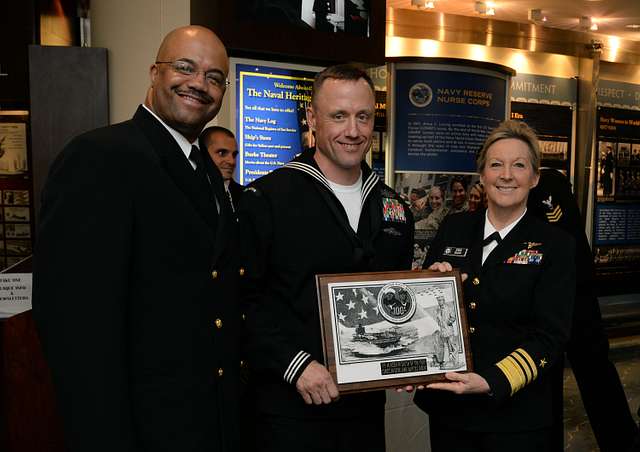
(270, 105)
(443, 112)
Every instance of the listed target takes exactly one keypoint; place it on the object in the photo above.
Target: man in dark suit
(135, 274)
(223, 149)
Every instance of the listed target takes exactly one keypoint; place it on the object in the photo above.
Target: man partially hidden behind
(602, 393)
(324, 212)
(223, 149)
(135, 270)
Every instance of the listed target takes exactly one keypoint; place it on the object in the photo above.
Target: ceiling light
(535, 15)
(593, 27)
(585, 22)
(633, 26)
(423, 4)
(485, 8)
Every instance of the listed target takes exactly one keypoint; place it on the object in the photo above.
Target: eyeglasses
(213, 77)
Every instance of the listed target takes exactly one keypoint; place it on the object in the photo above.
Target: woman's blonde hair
(512, 129)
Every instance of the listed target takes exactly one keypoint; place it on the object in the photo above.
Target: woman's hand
(440, 267)
(467, 383)
(443, 267)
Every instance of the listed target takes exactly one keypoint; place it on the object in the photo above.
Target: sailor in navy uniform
(323, 212)
(588, 347)
(518, 297)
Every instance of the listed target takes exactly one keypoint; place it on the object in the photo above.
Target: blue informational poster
(616, 220)
(271, 117)
(617, 224)
(443, 114)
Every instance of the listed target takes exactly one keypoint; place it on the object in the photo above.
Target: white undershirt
(350, 197)
(489, 229)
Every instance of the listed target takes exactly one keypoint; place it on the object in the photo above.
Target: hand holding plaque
(383, 330)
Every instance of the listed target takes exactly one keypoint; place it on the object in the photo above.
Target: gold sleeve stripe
(513, 373)
(519, 368)
(532, 372)
(529, 360)
(522, 363)
(521, 372)
(507, 374)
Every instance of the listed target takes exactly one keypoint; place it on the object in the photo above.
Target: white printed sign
(15, 293)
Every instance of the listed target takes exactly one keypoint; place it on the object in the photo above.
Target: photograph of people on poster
(627, 180)
(624, 154)
(433, 196)
(628, 183)
(606, 169)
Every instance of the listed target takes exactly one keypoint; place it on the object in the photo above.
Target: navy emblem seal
(420, 95)
(396, 303)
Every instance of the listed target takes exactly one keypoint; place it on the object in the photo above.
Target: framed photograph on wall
(391, 329)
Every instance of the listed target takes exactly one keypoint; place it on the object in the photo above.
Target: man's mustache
(200, 95)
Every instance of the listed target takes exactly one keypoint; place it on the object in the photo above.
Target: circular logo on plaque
(420, 94)
(396, 303)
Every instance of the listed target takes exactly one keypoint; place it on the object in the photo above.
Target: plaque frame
(404, 313)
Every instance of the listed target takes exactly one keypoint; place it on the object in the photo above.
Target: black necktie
(495, 236)
(233, 208)
(196, 158)
(205, 190)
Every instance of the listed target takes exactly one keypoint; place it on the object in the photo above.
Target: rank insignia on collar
(456, 252)
(393, 210)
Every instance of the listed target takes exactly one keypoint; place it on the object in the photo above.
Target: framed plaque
(391, 329)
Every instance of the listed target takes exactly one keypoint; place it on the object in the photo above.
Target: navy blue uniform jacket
(134, 294)
(295, 229)
(518, 306)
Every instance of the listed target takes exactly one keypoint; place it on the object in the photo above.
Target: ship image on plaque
(388, 332)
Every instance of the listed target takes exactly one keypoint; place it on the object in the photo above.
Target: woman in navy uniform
(518, 295)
